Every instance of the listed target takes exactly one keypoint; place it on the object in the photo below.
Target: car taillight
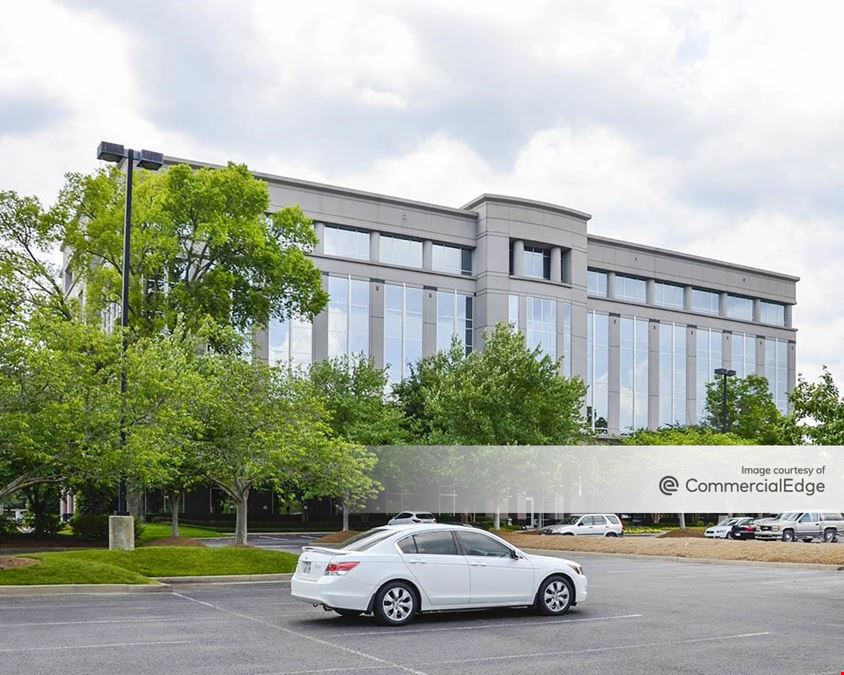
(335, 569)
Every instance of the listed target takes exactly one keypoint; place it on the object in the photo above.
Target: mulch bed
(335, 537)
(7, 563)
(682, 534)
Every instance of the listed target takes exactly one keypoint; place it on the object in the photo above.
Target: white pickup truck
(805, 525)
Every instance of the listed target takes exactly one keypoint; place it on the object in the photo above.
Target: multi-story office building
(644, 327)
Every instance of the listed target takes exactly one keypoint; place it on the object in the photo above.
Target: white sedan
(396, 572)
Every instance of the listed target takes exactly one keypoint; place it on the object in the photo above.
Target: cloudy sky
(713, 128)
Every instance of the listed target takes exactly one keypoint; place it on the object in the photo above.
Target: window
(613, 519)
(407, 545)
(451, 259)
(772, 313)
(345, 242)
(739, 308)
(776, 370)
(348, 316)
(289, 342)
(597, 369)
(368, 539)
(744, 354)
(597, 520)
(709, 357)
(435, 543)
(630, 288)
(537, 263)
(477, 544)
(402, 330)
(596, 283)
(672, 374)
(708, 302)
(669, 295)
(454, 317)
(542, 325)
(110, 316)
(513, 312)
(633, 374)
(566, 339)
(400, 251)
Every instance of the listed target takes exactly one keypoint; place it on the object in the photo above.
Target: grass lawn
(153, 531)
(92, 566)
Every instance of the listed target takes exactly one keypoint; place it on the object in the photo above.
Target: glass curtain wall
(289, 342)
(542, 325)
(348, 316)
(633, 374)
(776, 370)
(454, 317)
(402, 330)
(709, 357)
(597, 370)
(743, 354)
(672, 374)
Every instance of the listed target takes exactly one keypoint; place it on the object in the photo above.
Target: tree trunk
(681, 520)
(346, 513)
(496, 519)
(174, 513)
(240, 522)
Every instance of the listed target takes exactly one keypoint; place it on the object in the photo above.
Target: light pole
(725, 373)
(146, 159)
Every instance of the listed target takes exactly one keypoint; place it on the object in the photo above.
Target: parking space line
(405, 631)
(100, 646)
(152, 619)
(305, 636)
(594, 650)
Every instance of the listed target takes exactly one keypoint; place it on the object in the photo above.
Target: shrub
(44, 524)
(8, 526)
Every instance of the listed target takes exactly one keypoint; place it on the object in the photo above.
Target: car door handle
(415, 562)
(477, 564)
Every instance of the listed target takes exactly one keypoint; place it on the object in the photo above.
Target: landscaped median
(141, 566)
(759, 551)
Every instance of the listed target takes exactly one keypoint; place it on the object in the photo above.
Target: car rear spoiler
(324, 549)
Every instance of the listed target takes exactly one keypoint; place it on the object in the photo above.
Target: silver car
(589, 524)
(805, 525)
(412, 518)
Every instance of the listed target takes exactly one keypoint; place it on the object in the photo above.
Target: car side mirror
(514, 554)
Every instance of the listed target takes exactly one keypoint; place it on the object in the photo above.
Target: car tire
(610, 534)
(730, 535)
(830, 535)
(555, 596)
(788, 535)
(568, 534)
(348, 613)
(395, 604)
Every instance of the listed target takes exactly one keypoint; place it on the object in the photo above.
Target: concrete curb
(705, 561)
(226, 579)
(80, 589)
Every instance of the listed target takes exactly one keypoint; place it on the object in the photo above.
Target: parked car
(726, 529)
(589, 524)
(411, 518)
(746, 529)
(397, 572)
(805, 525)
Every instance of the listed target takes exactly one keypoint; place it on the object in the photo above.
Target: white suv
(590, 524)
(412, 518)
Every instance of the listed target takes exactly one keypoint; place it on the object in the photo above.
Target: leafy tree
(683, 435)
(751, 412)
(202, 246)
(353, 391)
(817, 411)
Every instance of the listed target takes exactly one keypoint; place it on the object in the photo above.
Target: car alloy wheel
(788, 535)
(395, 604)
(830, 535)
(610, 534)
(555, 596)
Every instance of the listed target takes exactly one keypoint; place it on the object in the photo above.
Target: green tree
(202, 246)
(353, 391)
(817, 411)
(751, 412)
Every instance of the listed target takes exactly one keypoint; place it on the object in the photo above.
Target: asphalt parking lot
(643, 616)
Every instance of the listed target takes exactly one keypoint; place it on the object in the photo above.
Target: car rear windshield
(425, 515)
(368, 539)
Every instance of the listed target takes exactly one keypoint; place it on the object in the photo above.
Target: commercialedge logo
(668, 485)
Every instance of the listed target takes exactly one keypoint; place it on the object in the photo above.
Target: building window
(672, 374)
(669, 295)
(739, 308)
(776, 370)
(596, 283)
(709, 357)
(772, 313)
(348, 316)
(345, 242)
(289, 342)
(402, 330)
(633, 374)
(400, 251)
(454, 318)
(707, 302)
(452, 259)
(537, 263)
(110, 316)
(513, 312)
(630, 288)
(743, 354)
(597, 370)
(566, 339)
(542, 325)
